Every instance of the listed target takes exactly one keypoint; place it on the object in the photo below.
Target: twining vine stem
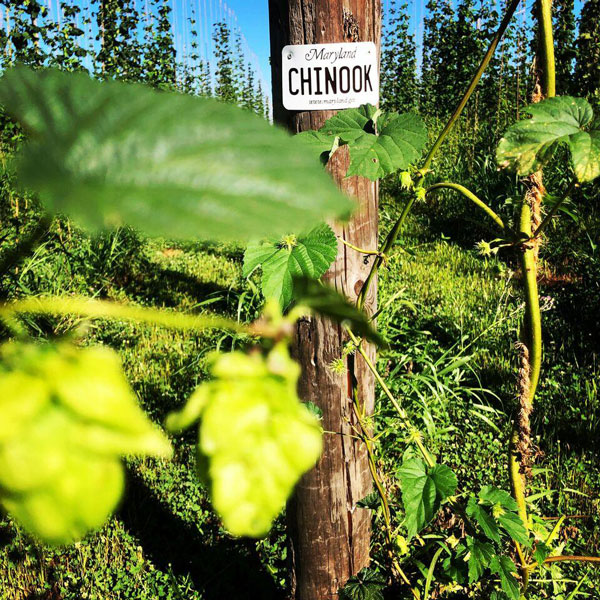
(533, 324)
(470, 196)
(399, 225)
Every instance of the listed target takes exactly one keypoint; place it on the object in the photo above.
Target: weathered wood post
(329, 535)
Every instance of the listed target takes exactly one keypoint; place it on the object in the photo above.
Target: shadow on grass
(220, 567)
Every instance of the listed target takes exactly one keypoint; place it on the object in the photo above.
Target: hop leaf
(281, 260)
(68, 417)
(529, 144)
(255, 440)
(423, 491)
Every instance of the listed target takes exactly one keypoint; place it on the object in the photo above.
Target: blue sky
(252, 17)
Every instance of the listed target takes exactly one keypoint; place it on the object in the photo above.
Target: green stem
(385, 505)
(533, 317)
(398, 226)
(102, 309)
(416, 438)
(463, 102)
(360, 250)
(533, 325)
(470, 196)
(545, 54)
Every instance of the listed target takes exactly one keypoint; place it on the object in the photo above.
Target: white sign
(330, 76)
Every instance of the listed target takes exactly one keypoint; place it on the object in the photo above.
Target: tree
(438, 51)
(564, 35)
(330, 535)
(159, 50)
(225, 84)
(587, 72)
(398, 61)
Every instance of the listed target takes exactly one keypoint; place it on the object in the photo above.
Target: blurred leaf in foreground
(110, 153)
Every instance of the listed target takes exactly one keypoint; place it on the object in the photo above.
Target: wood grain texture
(330, 536)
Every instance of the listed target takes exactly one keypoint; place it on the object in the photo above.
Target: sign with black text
(330, 76)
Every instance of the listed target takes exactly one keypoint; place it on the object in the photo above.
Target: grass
(452, 320)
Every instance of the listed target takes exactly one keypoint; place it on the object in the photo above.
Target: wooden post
(329, 535)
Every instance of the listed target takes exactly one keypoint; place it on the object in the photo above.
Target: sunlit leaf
(398, 143)
(484, 519)
(530, 143)
(504, 567)
(255, 439)
(423, 491)
(281, 260)
(481, 554)
(169, 164)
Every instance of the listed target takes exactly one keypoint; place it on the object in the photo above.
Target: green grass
(452, 320)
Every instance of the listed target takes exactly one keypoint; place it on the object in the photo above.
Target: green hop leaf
(68, 417)
(486, 521)
(504, 567)
(350, 124)
(380, 143)
(366, 585)
(398, 144)
(504, 509)
(490, 496)
(529, 144)
(513, 525)
(255, 439)
(481, 554)
(321, 143)
(281, 260)
(423, 491)
(541, 552)
(110, 153)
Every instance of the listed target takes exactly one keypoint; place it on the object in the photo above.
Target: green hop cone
(68, 415)
(256, 438)
(405, 179)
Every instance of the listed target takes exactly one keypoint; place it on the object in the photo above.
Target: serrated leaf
(255, 439)
(484, 518)
(504, 567)
(491, 496)
(371, 501)
(349, 124)
(110, 153)
(455, 567)
(541, 552)
(529, 144)
(513, 525)
(281, 260)
(481, 556)
(366, 585)
(320, 143)
(325, 301)
(398, 144)
(423, 490)
(60, 468)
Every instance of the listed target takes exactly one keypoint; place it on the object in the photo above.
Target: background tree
(564, 35)
(398, 61)
(159, 64)
(225, 86)
(587, 72)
